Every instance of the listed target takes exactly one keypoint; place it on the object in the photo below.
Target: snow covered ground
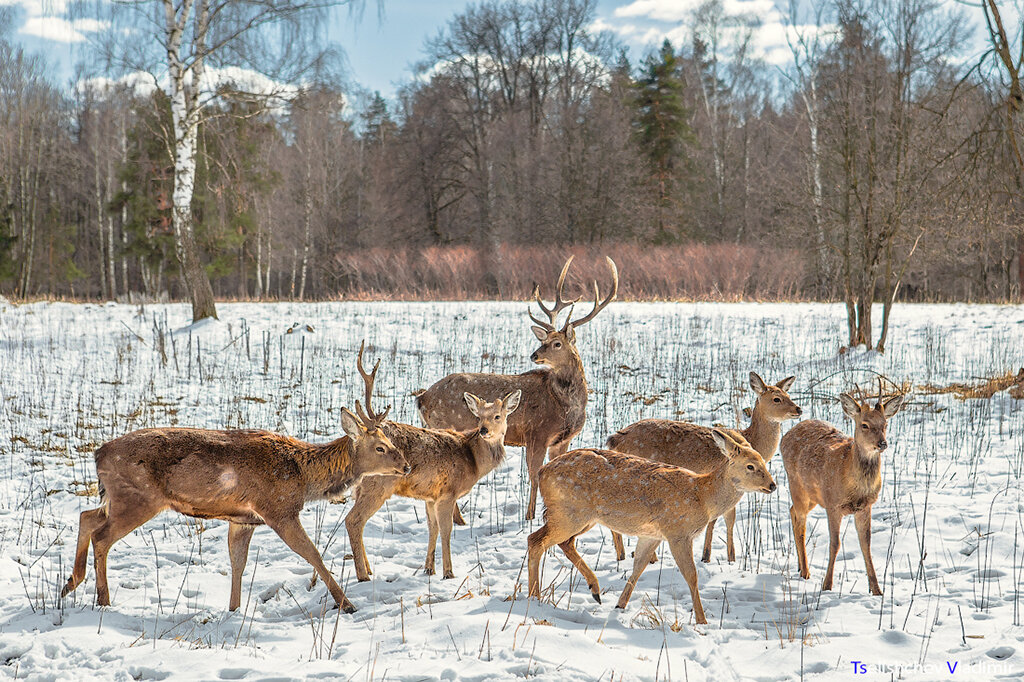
(948, 527)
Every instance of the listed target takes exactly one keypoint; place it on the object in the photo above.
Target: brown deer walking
(444, 466)
(692, 447)
(635, 496)
(840, 473)
(246, 477)
(554, 403)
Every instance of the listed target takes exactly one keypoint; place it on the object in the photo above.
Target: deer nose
(534, 356)
(882, 444)
(483, 431)
(772, 487)
(799, 411)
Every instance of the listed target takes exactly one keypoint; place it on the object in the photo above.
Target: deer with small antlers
(840, 473)
(636, 496)
(692, 447)
(554, 404)
(245, 477)
(444, 466)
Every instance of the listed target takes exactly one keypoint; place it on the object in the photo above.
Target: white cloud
(52, 28)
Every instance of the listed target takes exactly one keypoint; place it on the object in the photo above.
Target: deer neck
(716, 492)
(568, 381)
(864, 469)
(487, 456)
(763, 434)
(328, 469)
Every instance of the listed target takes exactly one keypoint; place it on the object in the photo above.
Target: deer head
(745, 467)
(493, 417)
(870, 421)
(374, 449)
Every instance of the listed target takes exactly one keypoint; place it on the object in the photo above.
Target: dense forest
(880, 161)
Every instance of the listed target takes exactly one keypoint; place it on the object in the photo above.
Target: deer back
(673, 442)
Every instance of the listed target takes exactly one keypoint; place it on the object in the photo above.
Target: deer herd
(657, 479)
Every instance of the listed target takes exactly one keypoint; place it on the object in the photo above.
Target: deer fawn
(840, 473)
(444, 466)
(639, 497)
(692, 447)
(554, 405)
(245, 477)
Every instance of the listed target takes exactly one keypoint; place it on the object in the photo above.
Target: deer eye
(380, 449)
(864, 426)
(750, 467)
(497, 417)
(778, 400)
(557, 344)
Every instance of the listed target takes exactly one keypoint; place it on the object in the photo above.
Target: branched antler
(599, 305)
(560, 303)
(370, 418)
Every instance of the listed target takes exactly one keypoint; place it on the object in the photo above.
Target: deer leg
(798, 517)
(682, 552)
(120, 520)
(709, 534)
(834, 519)
(457, 517)
(863, 521)
(569, 549)
(620, 550)
(89, 521)
(428, 565)
(294, 535)
(645, 548)
(535, 452)
(443, 512)
(730, 523)
(368, 500)
(239, 536)
(556, 531)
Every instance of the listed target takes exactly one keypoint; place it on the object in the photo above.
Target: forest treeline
(876, 162)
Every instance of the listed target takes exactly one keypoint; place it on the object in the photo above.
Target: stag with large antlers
(554, 403)
(248, 478)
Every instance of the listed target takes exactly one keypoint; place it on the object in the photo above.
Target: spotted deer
(840, 473)
(444, 466)
(245, 477)
(554, 404)
(636, 496)
(692, 447)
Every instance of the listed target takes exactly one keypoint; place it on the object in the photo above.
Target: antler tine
(367, 422)
(880, 391)
(599, 305)
(370, 417)
(559, 304)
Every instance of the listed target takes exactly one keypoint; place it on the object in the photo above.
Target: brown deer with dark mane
(444, 466)
(691, 446)
(841, 473)
(245, 477)
(554, 403)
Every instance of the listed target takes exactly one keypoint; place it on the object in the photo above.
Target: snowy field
(948, 527)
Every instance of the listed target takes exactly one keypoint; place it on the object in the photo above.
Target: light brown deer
(554, 404)
(840, 473)
(636, 496)
(246, 477)
(692, 447)
(445, 465)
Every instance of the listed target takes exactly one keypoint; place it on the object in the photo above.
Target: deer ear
(850, 406)
(473, 403)
(511, 401)
(893, 405)
(724, 442)
(757, 383)
(786, 383)
(570, 333)
(350, 424)
(540, 332)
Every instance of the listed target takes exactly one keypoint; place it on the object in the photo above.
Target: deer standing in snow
(245, 477)
(636, 496)
(692, 447)
(840, 473)
(554, 402)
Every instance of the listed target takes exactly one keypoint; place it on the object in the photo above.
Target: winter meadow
(947, 539)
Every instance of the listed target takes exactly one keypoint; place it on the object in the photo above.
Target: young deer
(636, 496)
(245, 477)
(691, 446)
(840, 473)
(554, 405)
(445, 465)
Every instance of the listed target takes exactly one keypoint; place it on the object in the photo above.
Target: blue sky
(381, 50)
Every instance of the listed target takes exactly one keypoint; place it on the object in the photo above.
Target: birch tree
(202, 52)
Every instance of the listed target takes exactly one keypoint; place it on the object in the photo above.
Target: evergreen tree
(662, 132)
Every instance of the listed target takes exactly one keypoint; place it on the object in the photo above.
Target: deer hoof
(448, 575)
(596, 596)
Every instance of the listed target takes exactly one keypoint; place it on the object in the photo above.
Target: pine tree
(663, 132)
